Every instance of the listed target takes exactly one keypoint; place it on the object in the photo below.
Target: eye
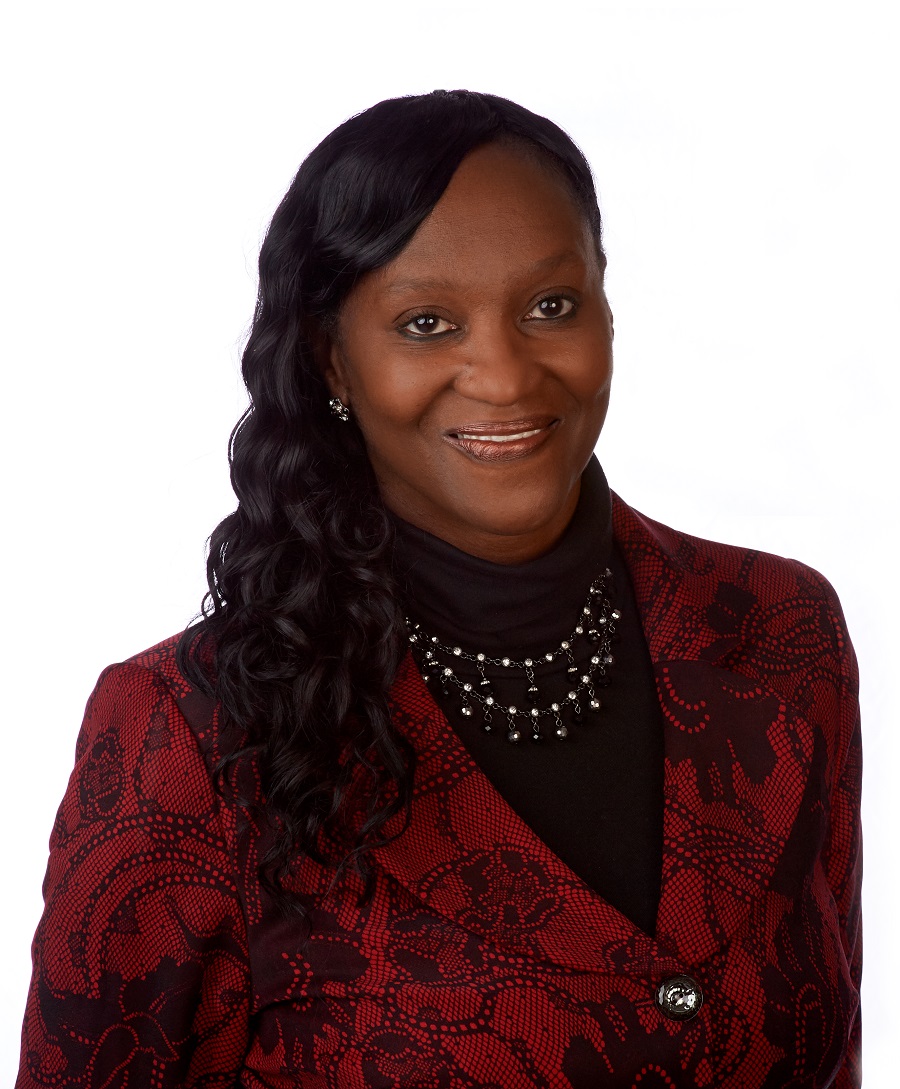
(553, 306)
(427, 325)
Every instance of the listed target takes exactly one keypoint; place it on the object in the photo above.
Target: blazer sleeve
(140, 965)
(843, 845)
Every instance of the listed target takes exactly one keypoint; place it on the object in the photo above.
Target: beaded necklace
(597, 623)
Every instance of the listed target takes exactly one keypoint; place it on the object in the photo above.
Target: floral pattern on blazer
(481, 960)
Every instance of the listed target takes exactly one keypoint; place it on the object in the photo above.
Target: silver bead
(579, 630)
(479, 657)
(595, 660)
(512, 709)
(434, 639)
(534, 712)
(554, 706)
(467, 688)
(586, 610)
(457, 650)
(616, 615)
(573, 695)
(585, 679)
(490, 701)
(564, 645)
(448, 672)
(528, 662)
(504, 661)
(548, 657)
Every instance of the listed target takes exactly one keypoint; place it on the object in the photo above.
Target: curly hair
(301, 632)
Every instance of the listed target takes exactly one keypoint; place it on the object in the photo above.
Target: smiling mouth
(498, 442)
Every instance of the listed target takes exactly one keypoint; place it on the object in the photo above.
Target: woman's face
(477, 364)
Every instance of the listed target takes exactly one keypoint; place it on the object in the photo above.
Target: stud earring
(339, 409)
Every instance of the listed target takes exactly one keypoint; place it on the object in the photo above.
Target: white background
(745, 154)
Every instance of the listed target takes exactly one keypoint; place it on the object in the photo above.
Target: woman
(469, 775)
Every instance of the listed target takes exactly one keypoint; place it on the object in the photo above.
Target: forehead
(504, 210)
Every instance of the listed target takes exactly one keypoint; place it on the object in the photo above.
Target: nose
(501, 365)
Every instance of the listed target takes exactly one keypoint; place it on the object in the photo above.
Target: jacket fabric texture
(481, 960)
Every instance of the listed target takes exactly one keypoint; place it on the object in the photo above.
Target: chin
(513, 523)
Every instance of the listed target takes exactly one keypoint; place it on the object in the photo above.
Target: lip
(506, 440)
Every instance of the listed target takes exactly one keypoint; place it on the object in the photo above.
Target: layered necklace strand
(596, 623)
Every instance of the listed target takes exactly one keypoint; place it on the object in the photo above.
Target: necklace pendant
(533, 694)
(514, 736)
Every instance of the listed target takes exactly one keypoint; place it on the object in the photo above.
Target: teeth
(499, 438)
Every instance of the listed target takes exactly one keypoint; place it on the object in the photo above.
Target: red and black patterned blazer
(481, 960)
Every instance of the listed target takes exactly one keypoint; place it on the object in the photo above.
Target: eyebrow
(546, 264)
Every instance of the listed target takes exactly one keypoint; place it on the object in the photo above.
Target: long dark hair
(301, 632)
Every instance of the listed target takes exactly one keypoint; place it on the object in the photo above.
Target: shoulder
(138, 757)
(766, 616)
(651, 546)
(160, 659)
(146, 696)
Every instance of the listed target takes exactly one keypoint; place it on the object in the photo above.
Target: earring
(339, 409)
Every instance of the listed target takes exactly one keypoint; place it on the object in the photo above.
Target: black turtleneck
(595, 798)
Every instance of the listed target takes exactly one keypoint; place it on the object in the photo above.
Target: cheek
(395, 397)
(589, 373)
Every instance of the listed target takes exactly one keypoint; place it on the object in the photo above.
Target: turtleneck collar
(517, 608)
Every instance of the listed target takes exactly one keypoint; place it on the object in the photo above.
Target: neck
(506, 605)
(502, 548)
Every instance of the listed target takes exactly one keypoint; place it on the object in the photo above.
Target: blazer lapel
(470, 857)
(737, 755)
